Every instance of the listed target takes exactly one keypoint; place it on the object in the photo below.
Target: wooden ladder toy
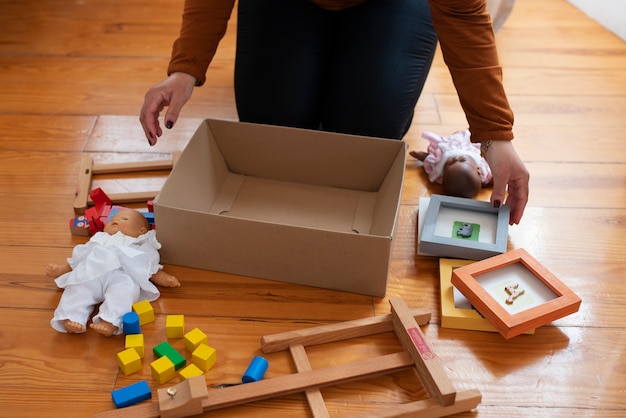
(444, 401)
(88, 169)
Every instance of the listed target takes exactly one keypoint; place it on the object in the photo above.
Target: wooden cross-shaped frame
(444, 401)
(88, 169)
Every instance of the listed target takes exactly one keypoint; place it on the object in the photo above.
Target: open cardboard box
(293, 205)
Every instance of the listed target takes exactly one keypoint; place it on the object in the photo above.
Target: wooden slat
(336, 332)
(429, 366)
(83, 185)
(313, 396)
(284, 385)
(465, 401)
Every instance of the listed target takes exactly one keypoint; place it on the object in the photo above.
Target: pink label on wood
(420, 344)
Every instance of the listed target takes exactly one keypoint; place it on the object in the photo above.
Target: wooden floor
(72, 76)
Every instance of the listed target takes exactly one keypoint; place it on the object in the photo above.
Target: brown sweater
(465, 36)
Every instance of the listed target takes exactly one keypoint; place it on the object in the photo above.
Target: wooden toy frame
(447, 246)
(88, 169)
(519, 264)
(445, 400)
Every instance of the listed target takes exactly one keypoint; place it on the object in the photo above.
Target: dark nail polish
(169, 124)
(496, 204)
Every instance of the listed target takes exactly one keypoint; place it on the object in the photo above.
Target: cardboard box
(292, 205)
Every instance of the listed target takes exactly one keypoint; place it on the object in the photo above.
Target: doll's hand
(55, 270)
(509, 175)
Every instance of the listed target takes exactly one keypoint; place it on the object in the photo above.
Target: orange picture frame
(453, 316)
(515, 292)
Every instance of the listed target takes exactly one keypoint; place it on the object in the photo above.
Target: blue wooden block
(255, 370)
(131, 394)
(149, 217)
(130, 323)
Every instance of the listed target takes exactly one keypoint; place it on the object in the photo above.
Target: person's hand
(173, 93)
(509, 174)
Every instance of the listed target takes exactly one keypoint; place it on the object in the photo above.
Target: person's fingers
(182, 88)
(173, 93)
(173, 111)
(517, 199)
(149, 117)
(510, 179)
(498, 192)
(152, 128)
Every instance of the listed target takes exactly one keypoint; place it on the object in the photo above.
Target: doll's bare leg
(74, 327)
(420, 155)
(75, 307)
(103, 327)
(55, 270)
(120, 293)
(161, 278)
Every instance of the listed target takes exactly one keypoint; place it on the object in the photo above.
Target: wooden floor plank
(123, 134)
(45, 132)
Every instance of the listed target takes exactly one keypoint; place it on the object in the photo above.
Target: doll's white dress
(111, 270)
(440, 149)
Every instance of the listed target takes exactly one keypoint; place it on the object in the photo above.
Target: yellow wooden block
(204, 357)
(129, 361)
(194, 338)
(135, 341)
(145, 311)
(175, 326)
(162, 370)
(190, 371)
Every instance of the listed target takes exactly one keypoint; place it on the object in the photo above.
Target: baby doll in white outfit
(456, 163)
(115, 268)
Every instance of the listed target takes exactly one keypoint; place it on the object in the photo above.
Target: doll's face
(462, 163)
(461, 177)
(128, 222)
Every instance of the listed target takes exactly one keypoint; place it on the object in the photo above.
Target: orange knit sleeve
(203, 27)
(469, 50)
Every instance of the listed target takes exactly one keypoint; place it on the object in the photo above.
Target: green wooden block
(166, 349)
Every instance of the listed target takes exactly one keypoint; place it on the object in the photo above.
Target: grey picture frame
(436, 244)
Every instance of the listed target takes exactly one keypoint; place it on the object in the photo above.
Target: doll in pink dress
(115, 268)
(456, 163)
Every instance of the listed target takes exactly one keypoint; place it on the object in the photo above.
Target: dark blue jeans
(357, 71)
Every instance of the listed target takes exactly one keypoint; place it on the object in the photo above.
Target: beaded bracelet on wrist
(484, 147)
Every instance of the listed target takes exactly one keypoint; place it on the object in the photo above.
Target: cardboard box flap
(356, 163)
(362, 223)
(199, 174)
(389, 197)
